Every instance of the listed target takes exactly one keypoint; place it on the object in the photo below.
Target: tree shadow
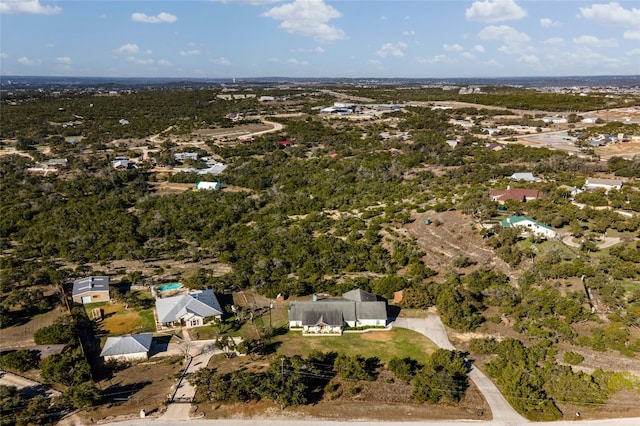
(121, 393)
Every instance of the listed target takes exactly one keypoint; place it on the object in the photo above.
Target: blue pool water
(171, 286)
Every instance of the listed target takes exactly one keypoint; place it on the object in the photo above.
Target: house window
(194, 322)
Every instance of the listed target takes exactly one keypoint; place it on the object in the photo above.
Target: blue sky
(319, 38)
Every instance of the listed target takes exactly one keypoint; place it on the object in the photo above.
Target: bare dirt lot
(451, 234)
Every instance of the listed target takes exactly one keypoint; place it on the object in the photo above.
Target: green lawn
(382, 344)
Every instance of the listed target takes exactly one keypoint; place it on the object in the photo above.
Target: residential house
(91, 290)
(57, 163)
(123, 122)
(208, 186)
(356, 308)
(452, 142)
(181, 156)
(593, 184)
(529, 224)
(515, 194)
(127, 348)
(527, 177)
(188, 310)
(121, 163)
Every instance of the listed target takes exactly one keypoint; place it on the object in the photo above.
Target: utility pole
(270, 308)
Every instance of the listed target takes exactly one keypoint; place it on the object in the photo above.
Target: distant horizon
(293, 78)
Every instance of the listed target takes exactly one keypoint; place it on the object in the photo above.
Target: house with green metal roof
(529, 224)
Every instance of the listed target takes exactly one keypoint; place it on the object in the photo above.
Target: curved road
(434, 330)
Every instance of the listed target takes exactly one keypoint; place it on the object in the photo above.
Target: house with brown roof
(516, 194)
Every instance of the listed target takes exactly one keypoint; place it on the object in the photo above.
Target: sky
(319, 38)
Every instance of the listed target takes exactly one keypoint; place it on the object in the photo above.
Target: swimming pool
(172, 286)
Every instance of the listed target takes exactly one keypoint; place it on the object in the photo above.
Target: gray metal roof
(332, 317)
(371, 310)
(90, 284)
(359, 295)
(122, 345)
(202, 303)
(355, 305)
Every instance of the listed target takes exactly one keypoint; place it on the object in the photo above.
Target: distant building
(208, 186)
(592, 184)
(525, 176)
(91, 290)
(515, 194)
(181, 156)
(123, 121)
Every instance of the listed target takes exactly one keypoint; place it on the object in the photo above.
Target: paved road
(297, 422)
(434, 330)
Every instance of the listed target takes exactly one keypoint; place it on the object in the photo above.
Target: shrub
(572, 358)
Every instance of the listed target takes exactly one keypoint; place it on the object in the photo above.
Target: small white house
(208, 186)
(127, 348)
(529, 224)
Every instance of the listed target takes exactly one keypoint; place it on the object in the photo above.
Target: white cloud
(297, 62)
(144, 61)
(160, 18)
(595, 41)
(128, 49)
(436, 59)
(612, 13)
(529, 59)
(103, 16)
(383, 18)
(632, 34)
(468, 55)
(634, 52)
(220, 61)
(503, 33)
(554, 41)
(164, 63)
(478, 48)
(251, 2)
(28, 6)
(548, 23)
(452, 47)
(409, 33)
(192, 52)
(64, 60)
(494, 11)
(391, 49)
(28, 62)
(308, 18)
(3, 55)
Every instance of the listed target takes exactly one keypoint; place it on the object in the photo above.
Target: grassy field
(384, 344)
(118, 320)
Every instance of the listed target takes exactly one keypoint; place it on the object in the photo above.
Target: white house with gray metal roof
(127, 348)
(356, 308)
(188, 310)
